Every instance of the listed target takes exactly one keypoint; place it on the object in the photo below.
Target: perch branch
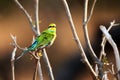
(37, 16)
(114, 46)
(38, 64)
(45, 57)
(39, 69)
(46, 60)
(37, 33)
(32, 26)
(76, 37)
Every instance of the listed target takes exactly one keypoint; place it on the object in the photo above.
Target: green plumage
(46, 38)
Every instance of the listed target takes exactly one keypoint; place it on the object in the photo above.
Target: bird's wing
(33, 46)
(44, 39)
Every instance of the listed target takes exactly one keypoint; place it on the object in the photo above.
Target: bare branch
(87, 40)
(91, 11)
(105, 77)
(104, 39)
(46, 60)
(37, 16)
(86, 32)
(76, 37)
(13, 61)
(15, 42)
(112, 43)
(39, 69)
(45, 57)
(35, 72)
(27, 15)
(113, 69)
(85, 12)
(36, 31)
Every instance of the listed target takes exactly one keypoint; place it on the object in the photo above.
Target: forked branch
(114, 46)
(35, 29)
(76, 37)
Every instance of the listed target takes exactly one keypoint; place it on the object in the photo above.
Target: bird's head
(52, 27)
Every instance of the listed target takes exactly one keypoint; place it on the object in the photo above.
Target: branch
(27, 15)
(39, 69)
(13, 57)
(37, 16)
(87, 40)
(91, 11)
(35, 72)
(76, 37)
(112, 43)
(38, 64)
(15, 42)
(104, 39)
(85, 21)
(12, 62)
(45, 57)
(46, 60)
(102, 53)
(37, 32)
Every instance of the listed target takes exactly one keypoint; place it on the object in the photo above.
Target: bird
(45, 39)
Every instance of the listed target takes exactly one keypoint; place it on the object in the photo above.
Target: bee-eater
(46, 38)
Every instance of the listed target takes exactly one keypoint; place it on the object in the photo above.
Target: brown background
(13, 21)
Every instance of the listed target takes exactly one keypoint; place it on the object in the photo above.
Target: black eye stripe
(51, 26)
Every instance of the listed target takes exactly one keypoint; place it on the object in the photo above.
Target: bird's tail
(23, 53)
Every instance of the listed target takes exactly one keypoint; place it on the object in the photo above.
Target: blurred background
(64, 55)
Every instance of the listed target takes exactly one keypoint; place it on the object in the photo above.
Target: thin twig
(105, 76)
(37, 16)
(76, 37)
(91, 11)
(35, 71)
(27, 15)
(113, 69)
(114, 46)
(15, 42)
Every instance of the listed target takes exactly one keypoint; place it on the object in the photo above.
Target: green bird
(46, 38)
